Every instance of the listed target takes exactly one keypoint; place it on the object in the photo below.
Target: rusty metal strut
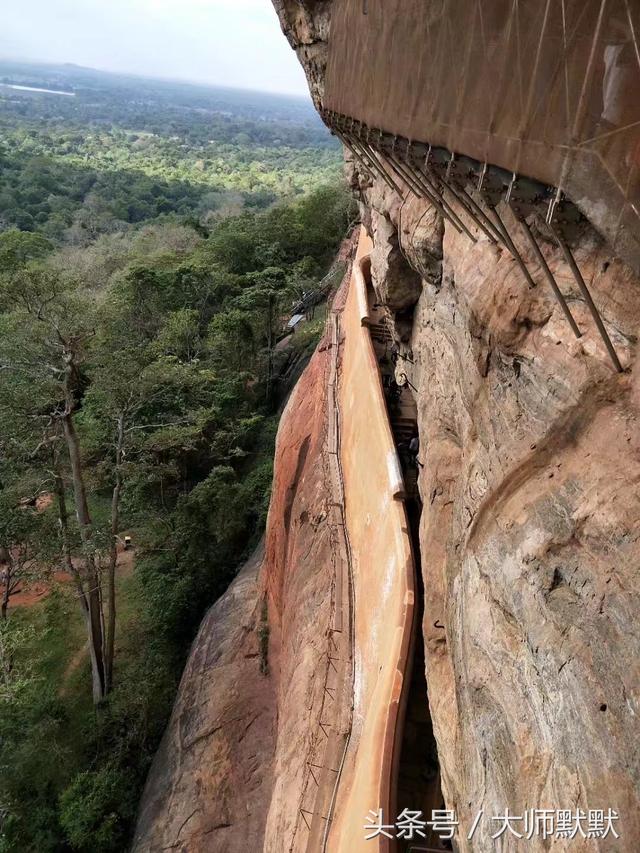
(573, 266)
(420, 192)
(549, 275)
(432, 192)
(511, 245)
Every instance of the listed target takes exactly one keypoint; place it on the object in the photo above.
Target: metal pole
(433, 191)
(413, 186)
(566, 251)
(375, 165)
(483, 216)
(469, 211)
(422, 192)
(439, 203)
(355, 154)
(511, 246)
(550, 277)
(383, 163)
(357, 146)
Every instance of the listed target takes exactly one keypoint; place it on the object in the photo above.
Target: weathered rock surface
(529, 538)
(529, 546)
(306, 26)
(531, 520)
(232, 769)
(530, 527)
(398, 285)
(297, 578)
(211, 781)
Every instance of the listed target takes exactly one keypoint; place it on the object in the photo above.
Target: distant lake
(34, 89)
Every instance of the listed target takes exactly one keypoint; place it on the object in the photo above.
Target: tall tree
(43, 347)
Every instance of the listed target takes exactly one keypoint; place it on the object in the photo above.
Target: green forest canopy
(153, 238)
(124, 150)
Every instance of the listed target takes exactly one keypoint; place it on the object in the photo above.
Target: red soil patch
(28, 595)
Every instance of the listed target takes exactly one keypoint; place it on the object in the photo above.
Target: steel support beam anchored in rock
(561, 220)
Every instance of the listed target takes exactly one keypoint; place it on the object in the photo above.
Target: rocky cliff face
(232, 771)
(529, 532)
(529, 541)
(531, 519)
(211, 781)
(306, 26)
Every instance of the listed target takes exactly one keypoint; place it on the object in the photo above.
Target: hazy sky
(228, 42)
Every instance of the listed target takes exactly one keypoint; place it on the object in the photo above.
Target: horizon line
(184, 80)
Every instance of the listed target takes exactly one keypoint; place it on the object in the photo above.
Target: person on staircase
(414, 449)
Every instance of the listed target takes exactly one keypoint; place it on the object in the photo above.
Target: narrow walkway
(418, 782)
(370, 736)
(383, 573)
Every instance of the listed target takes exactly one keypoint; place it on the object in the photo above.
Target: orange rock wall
(297, 576)
(211, 781)
(383, 575)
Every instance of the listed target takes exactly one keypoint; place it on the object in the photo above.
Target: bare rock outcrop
(398, 284)
(530, 539)
(232, 768)
(297, 579)
(306, 24)
(531, 522)
(211, 780)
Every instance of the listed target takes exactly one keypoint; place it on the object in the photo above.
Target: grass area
(60, 733)
(58, 648)
(308, 334)
(58, 632)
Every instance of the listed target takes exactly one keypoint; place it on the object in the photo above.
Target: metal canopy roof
(549, 89)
